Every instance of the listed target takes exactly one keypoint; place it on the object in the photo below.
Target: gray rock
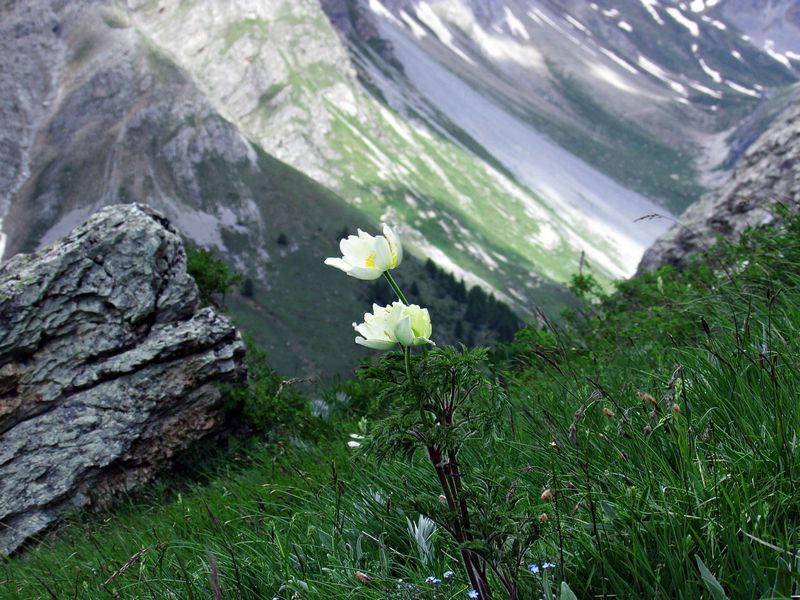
(108, 366)
(767, 174)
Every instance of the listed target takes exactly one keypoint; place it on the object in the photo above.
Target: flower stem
(407, 354)
(395, 287)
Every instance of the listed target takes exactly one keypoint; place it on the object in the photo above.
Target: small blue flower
(472, 594)
(448, 574)
(433, 580)
(548, 565)
(534, 569)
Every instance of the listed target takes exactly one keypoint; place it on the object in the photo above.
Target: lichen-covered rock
(768, 173)
(108, 366)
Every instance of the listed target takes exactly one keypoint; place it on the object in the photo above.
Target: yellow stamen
(371, 260)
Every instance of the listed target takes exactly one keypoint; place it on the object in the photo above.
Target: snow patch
(625, 26)
(577, 24)
(650, 7)
(515, 25)
(547, 237)
(742, 89)
(682, 19)
(714, 23)
(534, 17)
(252, 157)
(659, 73)
(715, 75)
(416, 30)
(400, 128)
(341, 96)
(611, 77)
(703, 89)
(622, 63)
(380, 10)
(427, 15)
(769, 48)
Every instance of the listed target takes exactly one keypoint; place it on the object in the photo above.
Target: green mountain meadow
(645, 446)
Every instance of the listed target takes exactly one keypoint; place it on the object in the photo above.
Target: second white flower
(397, 323)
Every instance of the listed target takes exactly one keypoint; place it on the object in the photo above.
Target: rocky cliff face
(768, 173)
(108, 366)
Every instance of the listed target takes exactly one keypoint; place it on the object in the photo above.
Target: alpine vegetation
(642, 446)
(437, 402)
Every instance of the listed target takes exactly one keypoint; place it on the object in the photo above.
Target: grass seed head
(647, 398)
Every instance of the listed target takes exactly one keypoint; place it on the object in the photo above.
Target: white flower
(411, 324)
(366, 256)
(353, 444)
(397, 323)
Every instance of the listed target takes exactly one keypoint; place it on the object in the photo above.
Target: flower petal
(364, 273)
(338, 263)
(375, 344)
(394, 245)
(356, 249)
(382, 258)
(403, 332)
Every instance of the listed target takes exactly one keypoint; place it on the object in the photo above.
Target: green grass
(651, 501)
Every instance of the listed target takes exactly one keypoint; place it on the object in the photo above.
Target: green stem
(395, 287)
(407, 353)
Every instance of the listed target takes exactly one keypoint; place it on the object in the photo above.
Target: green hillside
(655, 431)
(300, 310)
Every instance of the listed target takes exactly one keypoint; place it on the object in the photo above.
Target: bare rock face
(108, 366)
(767, 174)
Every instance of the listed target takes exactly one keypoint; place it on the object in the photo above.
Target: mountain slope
(451, 124)
(451, 117)
(119, 121)
(281, 73)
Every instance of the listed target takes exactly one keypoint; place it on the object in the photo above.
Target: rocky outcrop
(768, 173)
(108, 366)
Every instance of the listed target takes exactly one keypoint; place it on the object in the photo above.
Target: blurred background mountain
(510, 142)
